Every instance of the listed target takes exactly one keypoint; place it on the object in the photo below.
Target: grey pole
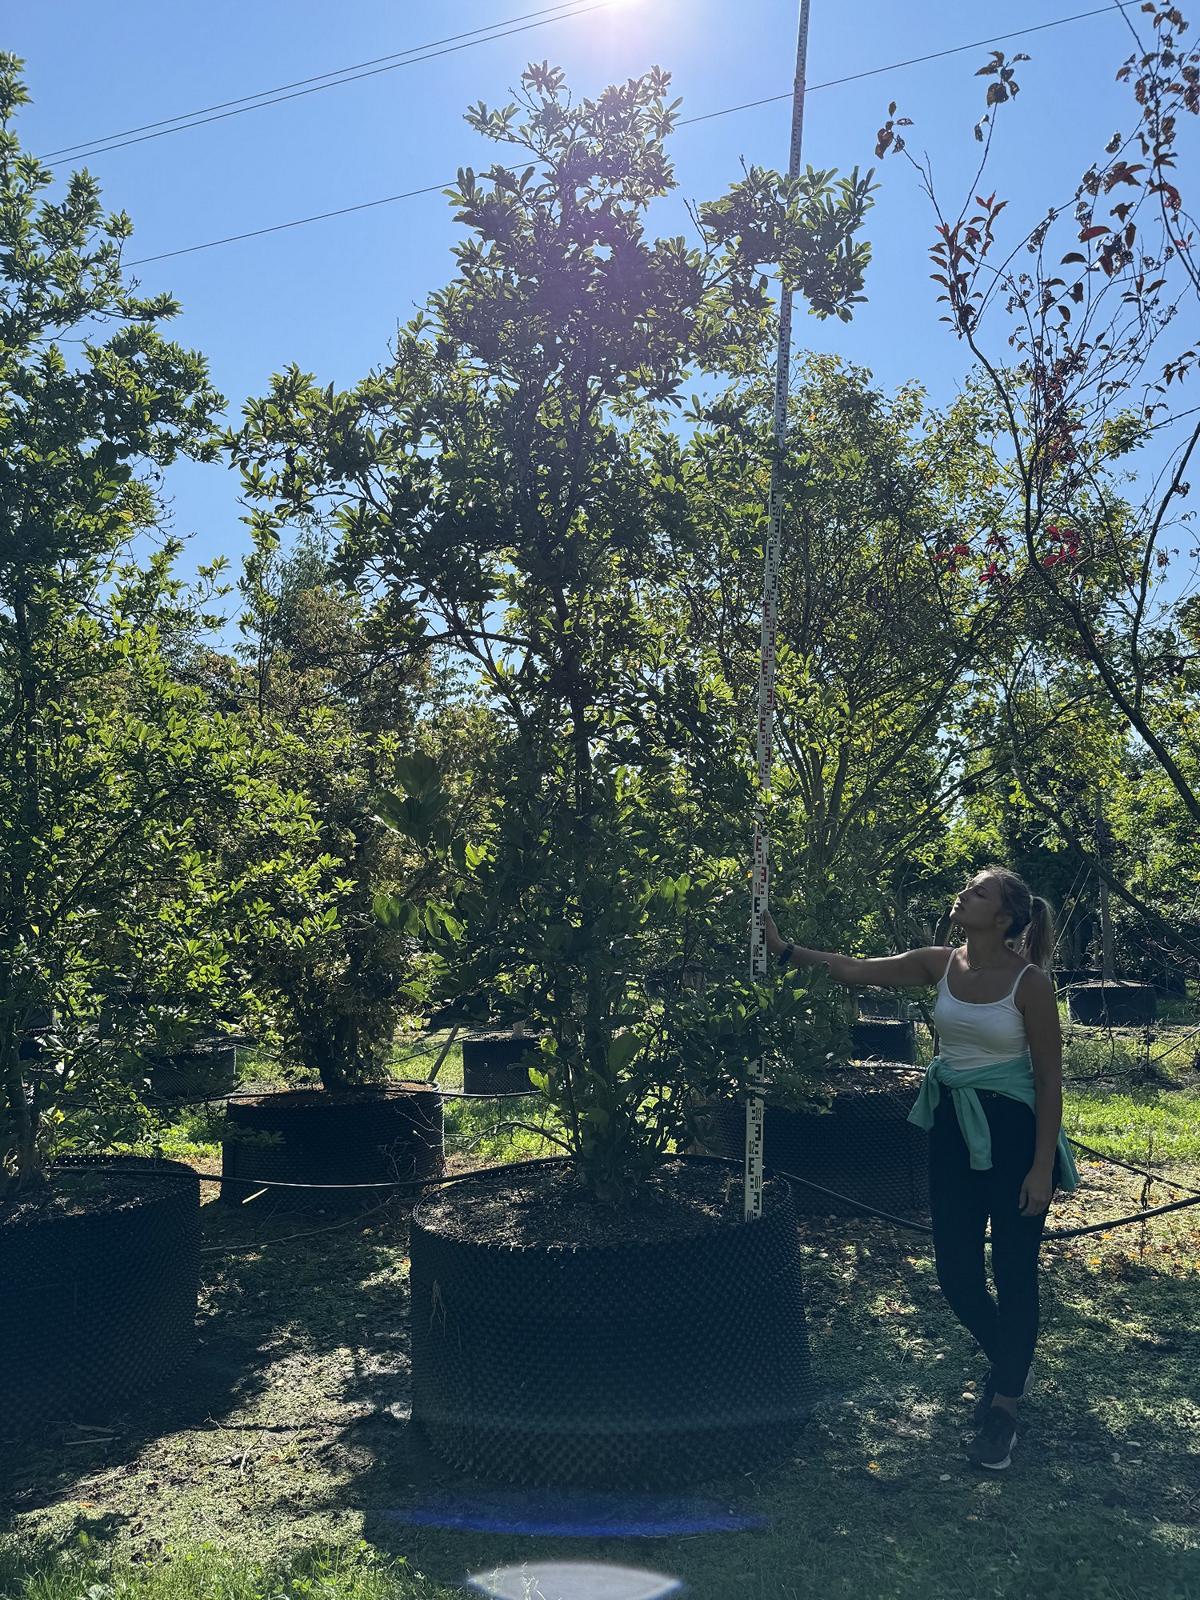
(760, 881)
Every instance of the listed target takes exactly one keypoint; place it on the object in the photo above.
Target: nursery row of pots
(1092, 1001)
(561, 1350)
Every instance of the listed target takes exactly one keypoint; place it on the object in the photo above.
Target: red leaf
(1174, 199)
(1093, 233)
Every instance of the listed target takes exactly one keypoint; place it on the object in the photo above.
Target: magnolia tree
(879, 637)
(1082, 321)
(114, 916)
(493, 488)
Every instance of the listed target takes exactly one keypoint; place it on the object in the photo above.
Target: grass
(352, 1572)
(478, 1132)
(1154, 1127)
(273, 1472)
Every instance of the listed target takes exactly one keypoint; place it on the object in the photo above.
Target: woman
(992, 1102)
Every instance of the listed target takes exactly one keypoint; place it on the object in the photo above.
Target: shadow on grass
(293, 1418)
(271, 1317)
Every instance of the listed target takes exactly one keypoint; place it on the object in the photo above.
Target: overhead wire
(707, 116)
(911, 61)
(273, 97)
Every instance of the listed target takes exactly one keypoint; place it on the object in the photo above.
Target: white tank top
(976, 1035)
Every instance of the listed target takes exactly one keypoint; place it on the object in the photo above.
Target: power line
(913, 61)
(502, 30)
(433, 188)
(300, 222)
(88, 145)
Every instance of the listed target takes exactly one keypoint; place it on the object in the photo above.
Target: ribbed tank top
(971, 1034)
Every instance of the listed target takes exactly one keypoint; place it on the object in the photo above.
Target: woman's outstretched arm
(915, 968)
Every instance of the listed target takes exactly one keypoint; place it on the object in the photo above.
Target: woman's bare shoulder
(936, 958)
(1035, 983)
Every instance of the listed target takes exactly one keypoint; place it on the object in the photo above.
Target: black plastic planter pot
(1170, 985)
(98, 1286)
(1064, 977)
(492, 1063)
(864, 1147)
(638, 1361)
(456, 1015)
(209, 1068)
(880, 1040)
(377, 1134)
(1113, 1004)
(880, 1003)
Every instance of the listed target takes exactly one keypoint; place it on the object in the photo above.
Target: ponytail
(1037, 942)
(1031, 931)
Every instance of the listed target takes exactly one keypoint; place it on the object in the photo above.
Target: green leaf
(394, 912)
(622, 1050)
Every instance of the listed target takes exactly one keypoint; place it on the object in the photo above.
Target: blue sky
(328, 296)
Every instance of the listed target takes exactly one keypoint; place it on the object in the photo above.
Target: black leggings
(961, 1202)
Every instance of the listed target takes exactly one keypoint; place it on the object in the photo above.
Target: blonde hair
(1032, 920)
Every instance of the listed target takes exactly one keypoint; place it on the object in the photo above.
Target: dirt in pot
(77, 1192)
(548, 1206)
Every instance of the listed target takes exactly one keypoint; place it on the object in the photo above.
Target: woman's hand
(774, 942)
(1036, 1191)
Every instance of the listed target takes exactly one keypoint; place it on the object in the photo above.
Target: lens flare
(573, 1580)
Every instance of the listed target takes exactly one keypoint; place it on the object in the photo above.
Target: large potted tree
(111, 909)
(339, 705)
(503, 472)
(587, 1321)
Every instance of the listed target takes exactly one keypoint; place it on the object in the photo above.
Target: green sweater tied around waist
(1013, 1078)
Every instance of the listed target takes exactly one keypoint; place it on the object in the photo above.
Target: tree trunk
(22, 1113)
(1107, 965)
(1108, 969)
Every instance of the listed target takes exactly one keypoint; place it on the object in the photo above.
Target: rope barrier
(419, 1184)
(1142, 1172)
(924, 1227)
(279, 1183)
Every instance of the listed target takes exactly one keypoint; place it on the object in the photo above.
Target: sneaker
(992, 1445)
(984, 1404)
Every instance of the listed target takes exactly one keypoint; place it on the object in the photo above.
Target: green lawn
(1153, 1127)
(270, 1476)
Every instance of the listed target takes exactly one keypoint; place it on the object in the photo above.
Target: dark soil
(549, 1207)
(76, 1192)
(358, 1095)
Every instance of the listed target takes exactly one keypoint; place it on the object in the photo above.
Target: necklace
(995, 966)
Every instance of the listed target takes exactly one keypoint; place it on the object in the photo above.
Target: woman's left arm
(1044, 1032)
